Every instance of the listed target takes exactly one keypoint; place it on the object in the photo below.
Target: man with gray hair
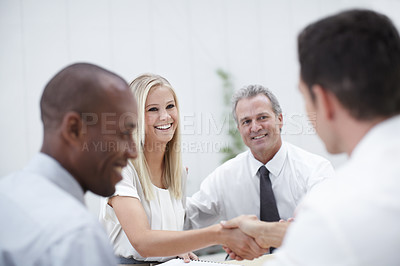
(269, 180)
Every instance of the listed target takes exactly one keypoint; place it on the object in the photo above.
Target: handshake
(246, 237)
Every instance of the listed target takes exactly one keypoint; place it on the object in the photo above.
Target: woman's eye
(170, 106)
(127, 134)
(153, 109)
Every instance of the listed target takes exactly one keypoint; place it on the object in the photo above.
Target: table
(256, 262)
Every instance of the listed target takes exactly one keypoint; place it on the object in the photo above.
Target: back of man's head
(356, 56)
(79, 87)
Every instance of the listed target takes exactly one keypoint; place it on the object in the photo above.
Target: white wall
(183, 40)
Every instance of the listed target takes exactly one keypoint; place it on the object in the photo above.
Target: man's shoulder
(238, 158)
(40, 215)
(42, 203)
(303, 156)
(236, 162)
(230, 168)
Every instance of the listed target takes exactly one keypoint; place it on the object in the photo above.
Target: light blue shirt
(44, 219)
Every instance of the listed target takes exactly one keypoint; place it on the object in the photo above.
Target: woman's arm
(162, 243)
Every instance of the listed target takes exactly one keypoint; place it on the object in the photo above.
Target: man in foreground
(350, 77)
(88, 116)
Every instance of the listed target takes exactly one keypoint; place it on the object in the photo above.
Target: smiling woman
(152, 190)
(144, 218)
(161, 116)
(160, 160)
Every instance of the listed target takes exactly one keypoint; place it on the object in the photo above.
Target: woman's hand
(187, 257)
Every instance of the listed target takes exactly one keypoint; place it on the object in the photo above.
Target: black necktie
(268, 210)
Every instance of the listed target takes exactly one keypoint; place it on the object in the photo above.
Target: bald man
(88, 116)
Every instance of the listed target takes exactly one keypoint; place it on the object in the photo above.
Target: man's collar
(274, 166)
(46, 166)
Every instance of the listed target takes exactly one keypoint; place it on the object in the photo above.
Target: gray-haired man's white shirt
(233, 188)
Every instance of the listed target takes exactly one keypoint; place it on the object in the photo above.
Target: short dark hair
(78, 87)
(355, 55)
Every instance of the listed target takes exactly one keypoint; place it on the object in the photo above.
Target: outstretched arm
(156, 243)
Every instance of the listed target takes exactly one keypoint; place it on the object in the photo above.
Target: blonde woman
(144, 218)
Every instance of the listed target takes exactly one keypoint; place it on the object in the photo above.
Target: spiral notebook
(180, 262)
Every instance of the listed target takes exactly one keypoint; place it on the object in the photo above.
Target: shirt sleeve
(128, 185)
(203, 208)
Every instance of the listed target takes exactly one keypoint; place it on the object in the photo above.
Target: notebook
(180, 262)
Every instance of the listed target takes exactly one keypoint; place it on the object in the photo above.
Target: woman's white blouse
(164, 212)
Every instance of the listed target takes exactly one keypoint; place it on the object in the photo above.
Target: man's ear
(324, 101)
(71, 128)
(280, 119)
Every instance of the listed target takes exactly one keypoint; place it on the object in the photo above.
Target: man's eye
(263, 117)
(246, 122)
(170, 106)
(153, 109)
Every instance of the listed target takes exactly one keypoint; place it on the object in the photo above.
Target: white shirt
(164, 212)
(44, 220)
(233, 188)
(352, 219)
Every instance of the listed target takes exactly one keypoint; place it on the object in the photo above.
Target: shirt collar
(381, 134)
(51, 169)
(274, 166)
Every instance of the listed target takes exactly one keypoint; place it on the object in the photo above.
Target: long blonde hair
(172, 159)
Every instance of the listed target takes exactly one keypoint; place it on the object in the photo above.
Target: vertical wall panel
(243, 38)
(45, 52)
(89, 31)
(184, 40)
(13, 121)
(205, 138)
(131, 38)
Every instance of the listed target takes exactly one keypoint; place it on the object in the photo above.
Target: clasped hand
(263, 234)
